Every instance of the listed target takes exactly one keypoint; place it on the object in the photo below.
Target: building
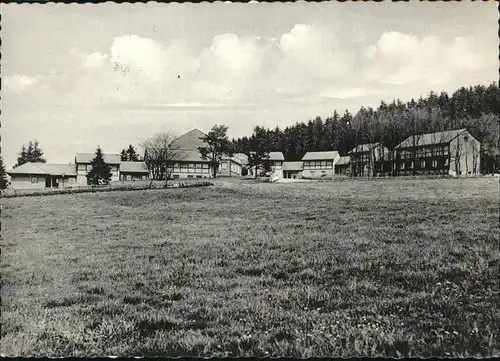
(186, 160)
(83, 167)
(276, 160)
(319, 164)
(369, 160)
(131, 171)
(230, 166)
(454, 152)
(292, 170)
(343, 165)
(43, 175)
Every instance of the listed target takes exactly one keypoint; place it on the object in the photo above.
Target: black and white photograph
(260, 179)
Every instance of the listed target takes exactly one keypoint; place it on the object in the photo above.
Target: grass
(349, 268)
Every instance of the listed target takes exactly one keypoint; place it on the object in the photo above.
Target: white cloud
(19, 83)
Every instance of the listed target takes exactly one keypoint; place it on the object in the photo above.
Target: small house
(292, 170)
(83, 166)
(132, 171)
(43, 175)
(319, 164)
(342, 167)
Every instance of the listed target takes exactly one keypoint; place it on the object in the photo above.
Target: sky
(75, 76)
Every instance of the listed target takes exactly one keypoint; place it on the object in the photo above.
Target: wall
(325, 171)
(24, 182)
(124, 176)
(192, 170)
(229, 168)
(82, 170)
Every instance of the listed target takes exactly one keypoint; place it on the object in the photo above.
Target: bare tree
(160, 156)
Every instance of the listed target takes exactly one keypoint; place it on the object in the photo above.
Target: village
(449, 153)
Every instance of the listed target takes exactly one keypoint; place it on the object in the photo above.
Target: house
(319, 164)
(83, 167)
(131, 171)
(43, 175)
(369, 160)
(292, 170)
(186, 160)
(454, 152)
(343, 165)
(230, 167)
(276, 160)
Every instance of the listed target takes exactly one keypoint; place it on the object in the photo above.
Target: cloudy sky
(75, 76)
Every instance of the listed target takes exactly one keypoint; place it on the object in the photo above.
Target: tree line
(475, 108)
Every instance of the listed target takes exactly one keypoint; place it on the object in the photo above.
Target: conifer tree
(3, 175)
(101, 171)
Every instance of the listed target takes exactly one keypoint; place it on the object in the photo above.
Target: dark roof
(133, 167)
(276, 156)
(86, 158)
(363, 148)
(189, 155)
(344, 160)
(431, 138)
(190, 140)
(321, 155)
(293, 166)
(45, 169)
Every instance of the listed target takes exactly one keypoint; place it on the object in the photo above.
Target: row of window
(423, 152)
(88, 168)
(419, 164)
(176, 176)
(318, 164)
(190, 170)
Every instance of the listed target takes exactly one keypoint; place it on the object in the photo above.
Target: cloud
(400, 59)
(20, 83)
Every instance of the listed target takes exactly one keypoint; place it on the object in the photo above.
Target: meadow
(386, 267)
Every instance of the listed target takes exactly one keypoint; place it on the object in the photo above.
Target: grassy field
(348, 268)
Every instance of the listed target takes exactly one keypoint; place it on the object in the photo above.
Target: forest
(475, 108)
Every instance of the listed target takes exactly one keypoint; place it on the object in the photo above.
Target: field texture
(348, 268)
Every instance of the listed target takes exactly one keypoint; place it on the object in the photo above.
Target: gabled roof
(189, 155)
(234, 159)
(191, 140)
(293, 166)
(133, 167)
(110, 158)
(431, 138)
(45, 169)
(321, 155)
(344, 160)
(364, 148)
(242, 157)
(276, 156)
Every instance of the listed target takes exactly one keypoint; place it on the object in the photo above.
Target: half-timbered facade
(319, 164)
(369, 160)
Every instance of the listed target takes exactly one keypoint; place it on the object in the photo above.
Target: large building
(454, 152)
(187, 160)
(319, 164)
(369, 160)
(43, 175)
(83, 167)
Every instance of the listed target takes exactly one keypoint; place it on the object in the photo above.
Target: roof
(133, 167)
(234, 159)
(291, 166)
(189, 155)
(242, 157)
(431, 138)
(363, 148)
(321, 155)
(344, 160)
(110, 158)
(190, 140)
(45, 169)
(276, 156)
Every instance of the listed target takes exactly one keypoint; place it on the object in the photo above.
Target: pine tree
(124, 155)
(30, 154)
(37, 153)
(132, 154)
(217, 145)
(3, 175)
(101, 171)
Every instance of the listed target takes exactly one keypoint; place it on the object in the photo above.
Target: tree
(160, 156)
(30, 154)
(218, 145)
(258, 156)
(129, 154)
(3, 175)
(101, 171)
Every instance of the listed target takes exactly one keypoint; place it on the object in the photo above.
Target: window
(198, 176)
(192, 166)
(223, 165)
(411, 165)
(198, 165)
(129, 177)
(190, 176)
(34, 179)
(205, 166)
(323, 164)
(403, 165)
(82, 167)
(434, 163)
(329, 163)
